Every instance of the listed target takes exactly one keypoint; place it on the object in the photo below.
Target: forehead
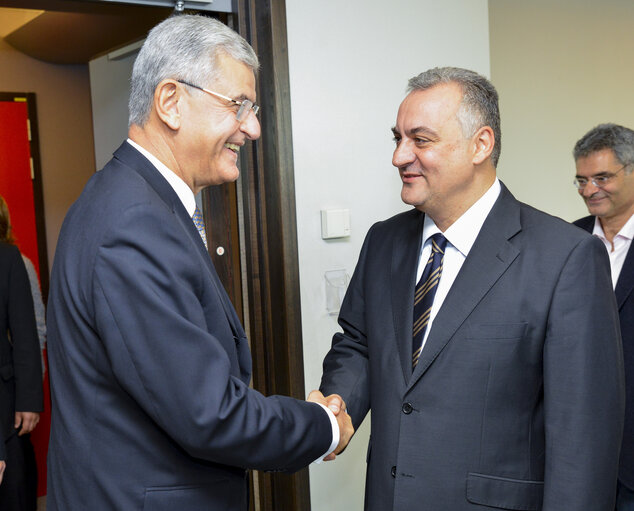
(432, 108)
(596, 162)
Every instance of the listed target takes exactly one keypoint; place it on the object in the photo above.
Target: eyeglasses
(245, 105)
(598, 181)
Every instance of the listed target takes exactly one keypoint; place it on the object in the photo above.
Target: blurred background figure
(604, 158)
(6, 235)
(21, 397)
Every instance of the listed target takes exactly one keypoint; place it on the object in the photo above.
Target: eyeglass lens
(245, 107)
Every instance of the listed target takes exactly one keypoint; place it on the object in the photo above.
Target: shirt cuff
(335, 434)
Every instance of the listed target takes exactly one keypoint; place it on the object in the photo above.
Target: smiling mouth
(409, 176)
(234, 147)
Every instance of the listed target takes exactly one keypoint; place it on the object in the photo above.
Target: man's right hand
(2, 467)
(338, 407)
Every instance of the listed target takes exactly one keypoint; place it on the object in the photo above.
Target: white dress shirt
(461, 236)
(186, 195)
(617, 250)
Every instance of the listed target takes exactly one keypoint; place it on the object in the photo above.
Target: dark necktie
(425, 292)
(200, 225)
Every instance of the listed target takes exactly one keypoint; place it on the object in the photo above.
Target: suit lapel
(625, 284)
(489, 258)
(131, 158)
(405, 255)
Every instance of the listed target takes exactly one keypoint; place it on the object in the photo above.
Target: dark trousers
(18, 491)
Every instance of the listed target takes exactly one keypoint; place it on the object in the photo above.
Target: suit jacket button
(407, 408)
(394, 471)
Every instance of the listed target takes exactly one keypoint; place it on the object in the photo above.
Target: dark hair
(6, 234)
(607, 136)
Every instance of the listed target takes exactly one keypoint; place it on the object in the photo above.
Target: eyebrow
(598, 174)
(423, 130)
(243, 97)
(416, 131)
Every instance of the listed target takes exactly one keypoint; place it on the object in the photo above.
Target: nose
(589, 190)
(251, 126)
(403, 155)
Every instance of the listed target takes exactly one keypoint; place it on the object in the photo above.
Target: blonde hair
(6, 233)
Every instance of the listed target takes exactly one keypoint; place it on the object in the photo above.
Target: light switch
(335, 223)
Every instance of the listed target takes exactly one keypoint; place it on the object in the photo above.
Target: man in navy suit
(150, 366)
(604, 158)
(512, 397)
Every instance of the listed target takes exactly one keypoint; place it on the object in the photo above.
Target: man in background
(604, 158)
(496, 382)
(149, 364)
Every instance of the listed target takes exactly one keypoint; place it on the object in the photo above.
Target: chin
(229, 175)
(411, 200)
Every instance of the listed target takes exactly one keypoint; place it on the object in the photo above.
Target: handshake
(338, 407)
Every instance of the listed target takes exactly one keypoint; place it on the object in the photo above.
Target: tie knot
(438, 243)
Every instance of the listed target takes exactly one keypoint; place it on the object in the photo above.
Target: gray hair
(607, 136)
(183, 47)
(479, 106)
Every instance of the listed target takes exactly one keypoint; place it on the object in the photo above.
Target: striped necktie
(425, 292)
(197, 217)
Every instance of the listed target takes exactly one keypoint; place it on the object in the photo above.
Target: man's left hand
(28, 421)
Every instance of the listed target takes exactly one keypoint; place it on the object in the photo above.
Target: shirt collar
(179, 186)
(464, 231)
(627, 231)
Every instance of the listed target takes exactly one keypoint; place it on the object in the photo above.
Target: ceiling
(74, 31)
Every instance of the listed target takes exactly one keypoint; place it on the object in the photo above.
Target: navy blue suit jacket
(517, 400)
(149, 364)
(625, 303)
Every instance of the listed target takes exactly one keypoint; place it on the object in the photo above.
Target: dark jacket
(517, 400)
(625, 303)
(20, 368)
(149, 364)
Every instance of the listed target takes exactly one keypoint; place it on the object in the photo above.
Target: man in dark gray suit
(150, 366)
(605, 163)
(506, 390)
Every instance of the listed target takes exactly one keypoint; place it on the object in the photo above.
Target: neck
(153, 141)
(449, 212)
(612, 225)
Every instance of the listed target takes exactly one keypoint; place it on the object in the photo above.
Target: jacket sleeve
(26, 353)
(583, 385)
(169, 345)
(346, 366)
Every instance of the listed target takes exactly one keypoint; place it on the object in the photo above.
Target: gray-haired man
(150, 367)
(506, 391)
(605, 179)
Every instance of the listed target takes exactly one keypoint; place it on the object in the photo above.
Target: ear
(483, 143)
(167, 97)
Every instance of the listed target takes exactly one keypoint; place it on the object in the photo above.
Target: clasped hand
(338, 407)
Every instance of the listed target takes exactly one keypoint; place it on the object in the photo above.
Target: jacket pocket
(6, 372)
(223, 494)
(498, 332)
(505, 493)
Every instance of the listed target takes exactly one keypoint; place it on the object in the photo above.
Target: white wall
(561, 68)
(349, 65)
(110, 90)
